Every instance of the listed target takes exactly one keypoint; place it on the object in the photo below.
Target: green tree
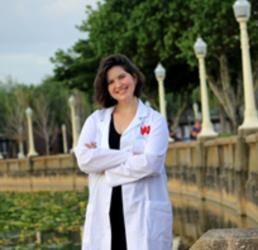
(149, 31)
(3, 103)
(215, 22)
(16, 101)
(77, 67)
(50, 104)
(139, 29)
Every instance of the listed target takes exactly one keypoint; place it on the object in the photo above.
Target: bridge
(212, 183)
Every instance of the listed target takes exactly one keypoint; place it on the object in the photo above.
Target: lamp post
(21, 148)
(200, 49)
(160, 74)
(31, 151)
(242, 11)
(197, 115)
(65, 148)
(73, 121)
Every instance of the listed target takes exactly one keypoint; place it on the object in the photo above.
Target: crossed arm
(120, 166)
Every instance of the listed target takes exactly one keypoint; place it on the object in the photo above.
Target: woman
(122, 147)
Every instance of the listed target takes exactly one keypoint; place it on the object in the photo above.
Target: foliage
(149, 31)
(55, 214)
(76, 68)
(143, 30)
(216, 23)
(49, 102)
(56, 96)
(2, 108)
(15, 100)
(51, 110)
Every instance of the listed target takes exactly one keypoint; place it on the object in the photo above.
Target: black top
(118, 238)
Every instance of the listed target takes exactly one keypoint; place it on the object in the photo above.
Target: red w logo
(145, 130)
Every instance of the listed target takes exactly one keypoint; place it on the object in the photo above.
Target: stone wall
(228, 239)
(213, 184)
(222, 170)
(42, 173)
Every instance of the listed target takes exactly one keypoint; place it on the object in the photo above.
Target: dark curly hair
(102, 96)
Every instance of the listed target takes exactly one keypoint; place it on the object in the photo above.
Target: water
(193, 217)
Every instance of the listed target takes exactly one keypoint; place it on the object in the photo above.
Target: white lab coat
(139, 167)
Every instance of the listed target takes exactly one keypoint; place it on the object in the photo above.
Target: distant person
(196, 129)
(122, 147)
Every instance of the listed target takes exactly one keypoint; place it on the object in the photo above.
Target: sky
(31, 31)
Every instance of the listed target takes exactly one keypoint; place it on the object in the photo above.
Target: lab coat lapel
(103, 126)
(142, 112)
(105, 117)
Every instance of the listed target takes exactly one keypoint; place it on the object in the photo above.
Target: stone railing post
(241, 172)
(201, 169)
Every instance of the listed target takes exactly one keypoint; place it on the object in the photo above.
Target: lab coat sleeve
(148, 163)
(96, 160)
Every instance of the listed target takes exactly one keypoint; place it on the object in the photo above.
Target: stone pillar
(241, 173)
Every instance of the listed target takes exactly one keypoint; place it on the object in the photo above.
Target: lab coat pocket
(160, 221)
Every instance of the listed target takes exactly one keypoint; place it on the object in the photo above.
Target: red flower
(145, 130)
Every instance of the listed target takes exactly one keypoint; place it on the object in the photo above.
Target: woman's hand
(90, 145)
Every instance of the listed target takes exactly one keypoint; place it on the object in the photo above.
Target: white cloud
(32, 30)
(64, 8)
(25, 67)
(23, 58)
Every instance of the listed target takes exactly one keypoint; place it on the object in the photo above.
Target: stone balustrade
(222, 172)
(206, 178)
(41, 173)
